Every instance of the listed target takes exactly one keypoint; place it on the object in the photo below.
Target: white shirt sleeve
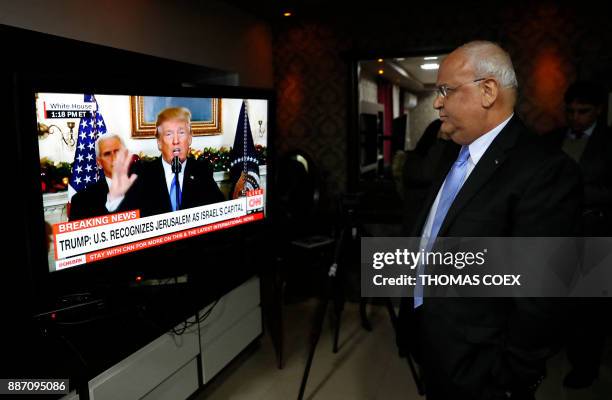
(112, 205)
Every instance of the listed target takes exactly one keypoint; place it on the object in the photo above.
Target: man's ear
(490, 92)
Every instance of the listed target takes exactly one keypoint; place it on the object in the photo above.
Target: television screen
(124, 173)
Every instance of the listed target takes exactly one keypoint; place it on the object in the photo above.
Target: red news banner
(94, 239)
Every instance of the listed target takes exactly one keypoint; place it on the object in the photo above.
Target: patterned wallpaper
(311, 84)
(551, 45)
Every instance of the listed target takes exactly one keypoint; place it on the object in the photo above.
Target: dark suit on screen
(481, 348)
(150, 191)
(90, 202)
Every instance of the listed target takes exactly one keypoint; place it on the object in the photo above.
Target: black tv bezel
(121, 270)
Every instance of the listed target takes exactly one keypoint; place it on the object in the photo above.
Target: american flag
(84, 168)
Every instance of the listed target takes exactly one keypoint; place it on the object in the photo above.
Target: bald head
(480, 85)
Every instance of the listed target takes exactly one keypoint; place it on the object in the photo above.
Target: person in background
(418, 170)
(587, 140)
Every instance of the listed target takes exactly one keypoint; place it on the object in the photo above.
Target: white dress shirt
(170, 175)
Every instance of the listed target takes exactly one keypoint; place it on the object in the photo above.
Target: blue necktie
(451, 187)
(176, 186)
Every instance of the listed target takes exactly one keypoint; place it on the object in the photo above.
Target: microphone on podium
(176, 169)
(176, 165)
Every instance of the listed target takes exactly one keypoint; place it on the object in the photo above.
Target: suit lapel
(593, 145)
(160, 175)
(491, 160)
(102, 187)
(187, 182)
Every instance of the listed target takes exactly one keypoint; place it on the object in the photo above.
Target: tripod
(349, 234)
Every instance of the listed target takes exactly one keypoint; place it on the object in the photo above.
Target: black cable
(208, 312)
(198, 320)
(186, 325)
(74, 350)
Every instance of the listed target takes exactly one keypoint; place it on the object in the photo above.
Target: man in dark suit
(588, 140)
(495, 179)
(91, 201)
(152, 187)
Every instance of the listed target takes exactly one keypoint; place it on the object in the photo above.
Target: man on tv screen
(153, 188)
(91, 201)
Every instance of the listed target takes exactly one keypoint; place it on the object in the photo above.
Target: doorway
(392, 105)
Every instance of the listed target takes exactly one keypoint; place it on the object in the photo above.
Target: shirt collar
(588, 132)
(168, 167)
(169, 174)
(480, 145)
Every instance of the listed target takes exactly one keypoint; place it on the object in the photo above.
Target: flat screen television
(193, 181)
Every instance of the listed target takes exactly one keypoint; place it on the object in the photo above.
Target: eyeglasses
(443, 90)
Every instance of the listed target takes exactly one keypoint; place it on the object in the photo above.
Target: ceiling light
(430, 58)
(430, 66)
(287, 14)
(380, 60)
(381, 71)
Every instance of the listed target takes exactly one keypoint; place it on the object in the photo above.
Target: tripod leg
(276, 309)
(314, 339)
(392, 315)
(336, 334)
(338, 308)
(415, 375)
(365, 322)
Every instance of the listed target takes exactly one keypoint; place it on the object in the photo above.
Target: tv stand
(175, 366)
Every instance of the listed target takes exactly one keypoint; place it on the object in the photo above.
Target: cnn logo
(255, 202)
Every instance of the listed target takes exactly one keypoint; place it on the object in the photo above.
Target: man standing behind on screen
(91, 202)
(152, 187)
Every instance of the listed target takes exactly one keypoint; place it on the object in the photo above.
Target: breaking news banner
(487, 267)
(92, 239)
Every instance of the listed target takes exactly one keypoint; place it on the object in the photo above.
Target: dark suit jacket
(90, 202)
(478, 348)
(150, 194)
(596, 168)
